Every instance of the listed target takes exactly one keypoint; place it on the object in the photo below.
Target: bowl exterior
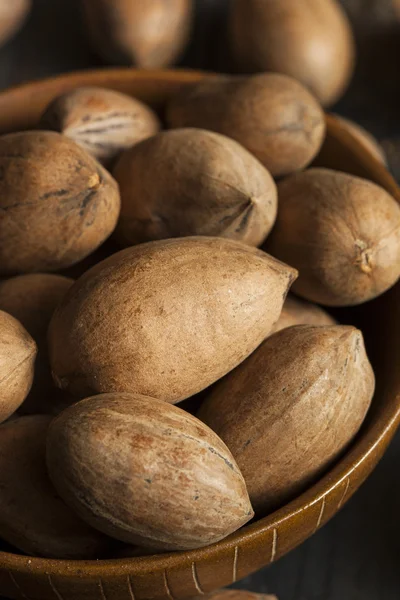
(184, 575)
(194, 573)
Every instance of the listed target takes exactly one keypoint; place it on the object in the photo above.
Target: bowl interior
(192, 573)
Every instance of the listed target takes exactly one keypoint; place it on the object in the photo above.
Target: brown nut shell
(102, 121)
(148, 34)
(310, 41)
(146, 472)
(32, 516)
(166, 318)
(273, 116)
(363, 136)
(12, 16)
(57, 204)
(300, 312)
(32, 299)
(342, 233)
(307, 391)
(206, 184)
(17, 359)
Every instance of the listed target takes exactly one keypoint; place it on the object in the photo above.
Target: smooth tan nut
(17, 359)
(102, 121)
(307, 390)
(148, 34)
(32, 516)
(363, 136)
(32, 300)
(342, 233)
(146, 473)
(273, 116)
(206, 184)
(57, 204)
(310, 41)
(300, 312)
(166, 319)
(12, 16)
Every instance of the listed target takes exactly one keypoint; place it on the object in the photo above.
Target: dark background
(356, 556)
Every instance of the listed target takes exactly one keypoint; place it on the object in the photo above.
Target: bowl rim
(376, 435)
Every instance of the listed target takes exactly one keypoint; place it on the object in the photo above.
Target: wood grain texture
(355, 556)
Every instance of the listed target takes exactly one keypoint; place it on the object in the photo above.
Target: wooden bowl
(185, 574)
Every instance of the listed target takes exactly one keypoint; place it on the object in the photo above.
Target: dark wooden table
(355, 556)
